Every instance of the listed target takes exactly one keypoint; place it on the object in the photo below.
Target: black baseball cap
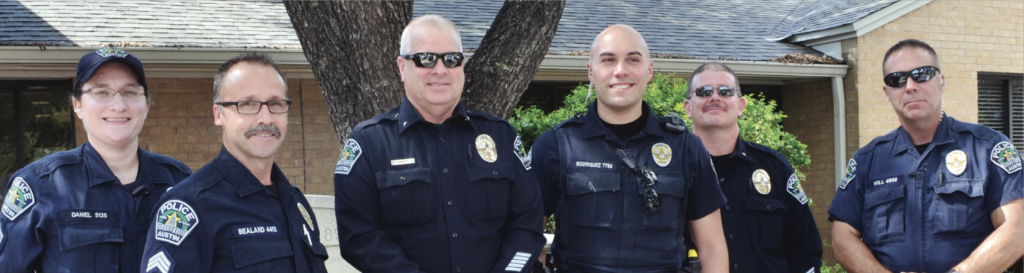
(93, 60)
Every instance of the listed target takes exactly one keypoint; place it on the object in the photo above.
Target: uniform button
(495, 172)
(449, 203)
(720, 180)
(730, 236)
(402, 178)
(736, 266)
(458, 269)
(445, 170)
(769, 207)
(455, 235)
(726, 207)
(442, 139)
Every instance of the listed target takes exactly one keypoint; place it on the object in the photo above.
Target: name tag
(888, 181)
(406, 161)
(256, 230)
(595, 165)
(89, 215)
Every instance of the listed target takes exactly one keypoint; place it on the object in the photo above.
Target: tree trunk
(510, 54)
(352, 46)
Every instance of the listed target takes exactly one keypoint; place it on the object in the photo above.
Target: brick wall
(969, 36)
(808, 107)
(180, 125)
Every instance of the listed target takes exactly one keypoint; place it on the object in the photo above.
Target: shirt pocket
(319, 257)
(407, 197)
(959, 208)
(262, 254)
(883, 214)
(592, 199)
(489, 188)
(91, 247)
(770, 215)
(671, 189)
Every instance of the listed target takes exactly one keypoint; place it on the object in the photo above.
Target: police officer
(239, 213)
(935, 194)
(431, 186)
(622, 183)
(768, 225)
(87, 209)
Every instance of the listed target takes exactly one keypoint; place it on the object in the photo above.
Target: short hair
(248, 57)
(910, 43)
(711, 67)
(646, 49)
(430, 20)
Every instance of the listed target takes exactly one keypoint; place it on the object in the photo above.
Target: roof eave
(860, 27)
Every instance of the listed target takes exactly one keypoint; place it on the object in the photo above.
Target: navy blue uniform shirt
(67, 212)
(926, 212)
(598, 202)
(413, 196)
(222, 219)
(768, 225)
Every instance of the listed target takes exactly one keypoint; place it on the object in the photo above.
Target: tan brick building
(834, 109)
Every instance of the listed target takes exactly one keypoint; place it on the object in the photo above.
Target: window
(1001, 105)
(37, 120)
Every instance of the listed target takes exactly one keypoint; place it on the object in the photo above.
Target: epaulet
(979, 131)
(767, 150)
(878, 141)
(577, 118)
(169, 161)
(673, 122)
(387, 116)
(46, 165)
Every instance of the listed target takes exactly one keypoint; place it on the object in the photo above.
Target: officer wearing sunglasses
(934, 195)
(767, 220)
(431, 186)
(623, 184)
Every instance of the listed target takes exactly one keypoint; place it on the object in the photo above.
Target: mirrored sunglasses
(723, 91)
(429, 59)
(919, 75)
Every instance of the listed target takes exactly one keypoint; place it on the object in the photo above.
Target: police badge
(485, 147)
(956, 162)
(762, 182)
(662, 154)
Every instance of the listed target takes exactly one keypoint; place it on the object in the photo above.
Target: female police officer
(86, 210)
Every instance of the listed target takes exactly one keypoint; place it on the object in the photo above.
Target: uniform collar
(593, 126)
(242, 179)
(942, 135)
(742, 150)
(408, 116)
(100, 173)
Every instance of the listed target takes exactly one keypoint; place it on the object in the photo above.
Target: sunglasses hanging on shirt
(429, 59)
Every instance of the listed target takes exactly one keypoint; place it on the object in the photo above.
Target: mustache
(710, 105)
(263, 128)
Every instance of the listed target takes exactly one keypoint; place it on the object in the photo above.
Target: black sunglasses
(723, 91)
(653, 202)
(429, 59)
(920, 75)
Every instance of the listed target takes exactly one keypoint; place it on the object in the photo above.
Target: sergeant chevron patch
(160, 263)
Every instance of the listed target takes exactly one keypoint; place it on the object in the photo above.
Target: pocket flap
(591, 182)
(670, 184)
(401, 177)
(78, 235)
(766, 205)
(319, 249)
(970, 187)
(492, 171)
(249, 252)
(882, 195)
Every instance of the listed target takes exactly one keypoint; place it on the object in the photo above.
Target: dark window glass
(37, 119)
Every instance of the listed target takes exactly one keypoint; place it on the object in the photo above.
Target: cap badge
(108, 52)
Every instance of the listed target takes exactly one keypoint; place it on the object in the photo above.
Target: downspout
(839, 120)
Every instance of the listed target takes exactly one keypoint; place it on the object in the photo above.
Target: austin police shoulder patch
(1003, 155)
(795, 189)
(662, 154)
(851, 169)
(174, 221)
(762, 182)
(160, 262)
(349, 154)
(956, 162)
(19, 199)
(485, 147)
(305, 215)
(106, 52)
(524, 156)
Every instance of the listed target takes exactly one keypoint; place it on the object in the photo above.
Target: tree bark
(510, 54)
(352, 46)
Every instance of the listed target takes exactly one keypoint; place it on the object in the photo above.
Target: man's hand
(850, 251)
(1004, 246)
(710, 241)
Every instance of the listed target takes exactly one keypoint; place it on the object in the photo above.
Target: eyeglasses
(106, 94)
(723, 91)
(653, 202)
(250, 107)
(429, 59)
(920, 75)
